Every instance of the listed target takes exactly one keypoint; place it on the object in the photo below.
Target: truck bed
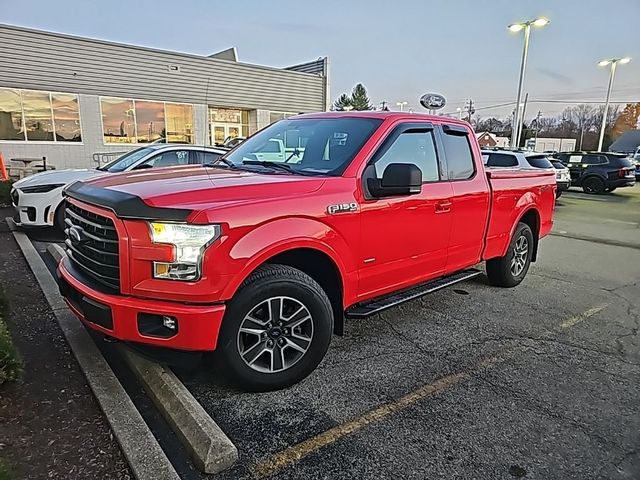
(512, 192)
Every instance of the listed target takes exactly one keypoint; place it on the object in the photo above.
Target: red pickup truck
(314, 219)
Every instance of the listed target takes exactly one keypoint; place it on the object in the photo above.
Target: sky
(398, 49)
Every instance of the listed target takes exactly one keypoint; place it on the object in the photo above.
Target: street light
(613, 62)
(516, 27)
(401, 105)
(459, 110)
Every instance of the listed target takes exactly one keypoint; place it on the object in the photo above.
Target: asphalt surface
(539, 381)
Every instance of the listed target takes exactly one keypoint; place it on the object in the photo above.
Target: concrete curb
(141, 449)
(210, 449)
(586, 238)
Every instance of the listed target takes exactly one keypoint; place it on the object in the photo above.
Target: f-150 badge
(342, 208)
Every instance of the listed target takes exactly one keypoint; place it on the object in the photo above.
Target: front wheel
(510, 270)
(276, 330)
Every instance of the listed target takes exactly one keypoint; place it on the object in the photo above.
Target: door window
(593, 160)
(169, 159)
(459, 157)
(417, 148)
(198, 157)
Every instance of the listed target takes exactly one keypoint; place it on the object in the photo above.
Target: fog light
(169, 322)
(157, 325)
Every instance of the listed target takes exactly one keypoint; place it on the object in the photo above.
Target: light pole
(613, 62)
(401, 105)
(516, 27)
(459, 110)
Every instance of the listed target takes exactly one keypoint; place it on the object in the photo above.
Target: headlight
(42, 188)
(190, 242)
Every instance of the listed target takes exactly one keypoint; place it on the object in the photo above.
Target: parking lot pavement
(581, 215)
(540, 381)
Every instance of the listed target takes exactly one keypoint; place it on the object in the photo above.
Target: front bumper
(35, 209)
(119, 316)
(563, 185)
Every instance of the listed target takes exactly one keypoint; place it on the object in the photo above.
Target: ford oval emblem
(432, 101)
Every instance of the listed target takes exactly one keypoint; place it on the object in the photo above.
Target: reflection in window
(66, 117)
(37, 115)
(10, 115)
(118, 120)
(149, 121)
(179, 120)
(275, 116)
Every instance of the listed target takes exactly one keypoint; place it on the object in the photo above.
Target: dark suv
(599, 172)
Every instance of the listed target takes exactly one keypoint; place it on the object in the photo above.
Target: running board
(377, 305)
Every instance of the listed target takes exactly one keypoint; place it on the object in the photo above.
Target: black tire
(269, 283)
(558, 193)
(499, 270)
(58, 220)
(593, 185)
(611, 189)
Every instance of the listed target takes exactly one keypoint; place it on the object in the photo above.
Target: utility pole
(537, 127)
(470, 110)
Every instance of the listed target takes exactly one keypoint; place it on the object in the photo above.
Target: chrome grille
(92, 245)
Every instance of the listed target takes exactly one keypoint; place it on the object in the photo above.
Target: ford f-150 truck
(262, 261)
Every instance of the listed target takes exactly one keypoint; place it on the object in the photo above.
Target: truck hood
(198, 188)
(57, 177)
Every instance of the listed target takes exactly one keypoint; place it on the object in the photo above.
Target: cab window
(417, 148)
(458, 153)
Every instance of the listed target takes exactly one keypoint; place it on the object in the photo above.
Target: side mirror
(397, 179)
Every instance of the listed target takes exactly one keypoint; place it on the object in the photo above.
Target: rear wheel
(276, 330)
(593, 185)
(510, 270)
(558, 193)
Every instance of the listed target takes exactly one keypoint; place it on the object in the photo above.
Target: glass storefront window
(227, 123)
(149, 121)
(66, 117)
(10, 115)
(118, 120)
(179, 120)
(38, 119)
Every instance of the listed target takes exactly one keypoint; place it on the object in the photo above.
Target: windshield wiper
(275, 165)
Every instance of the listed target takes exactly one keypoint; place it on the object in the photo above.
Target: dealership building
(73, 100)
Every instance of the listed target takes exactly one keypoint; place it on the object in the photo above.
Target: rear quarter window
(460, 165)
(539, 162)
(622, 162)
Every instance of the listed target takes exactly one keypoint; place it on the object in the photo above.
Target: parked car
(599, 172)
(37, 198)
(262, 260)
(519, 159)
(563, 177)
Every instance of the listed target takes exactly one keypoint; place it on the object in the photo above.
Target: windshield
(323, 146)
(120, 164)
(539, 161)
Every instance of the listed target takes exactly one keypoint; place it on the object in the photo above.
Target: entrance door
(220, 133)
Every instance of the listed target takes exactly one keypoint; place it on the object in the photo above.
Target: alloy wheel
(275, 334)
(519, 259)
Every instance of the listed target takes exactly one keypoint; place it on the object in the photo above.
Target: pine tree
(343, 101)
(359, 98)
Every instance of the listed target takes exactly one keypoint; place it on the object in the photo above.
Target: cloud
(559, 77)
